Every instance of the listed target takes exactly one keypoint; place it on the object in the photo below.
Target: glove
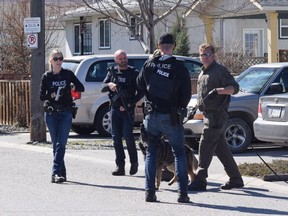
(105, 89)
(212, 94)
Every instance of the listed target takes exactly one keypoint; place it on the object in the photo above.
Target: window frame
(87, 37)
(134, 29)
(281, 26)
(259, 51)
(104, 36)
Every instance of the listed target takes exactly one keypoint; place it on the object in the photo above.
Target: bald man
(120, 82)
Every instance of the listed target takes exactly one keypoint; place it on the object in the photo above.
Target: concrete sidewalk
(92, 190)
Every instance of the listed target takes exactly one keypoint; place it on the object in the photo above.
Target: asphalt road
(25, 187)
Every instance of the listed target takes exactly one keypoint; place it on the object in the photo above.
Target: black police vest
(161, 82)
(59, 83)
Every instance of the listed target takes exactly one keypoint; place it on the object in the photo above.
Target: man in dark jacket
(121, 84)
(215, 85)
(167, 87)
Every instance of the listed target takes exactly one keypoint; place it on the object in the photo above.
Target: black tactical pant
(213, 141)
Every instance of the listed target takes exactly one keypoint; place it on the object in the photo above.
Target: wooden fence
(15, 102)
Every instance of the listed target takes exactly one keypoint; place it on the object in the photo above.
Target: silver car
(272, 122)
(256, 81)
(93, 106)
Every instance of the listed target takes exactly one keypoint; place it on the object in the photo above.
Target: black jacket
(171, 78)
(126, 85)
(51, 82)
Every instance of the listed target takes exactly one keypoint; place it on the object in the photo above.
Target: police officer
(167, 87)
(215, 85)
(121, 84)
(55, 91)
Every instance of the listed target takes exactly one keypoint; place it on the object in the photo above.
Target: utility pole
(37, 126)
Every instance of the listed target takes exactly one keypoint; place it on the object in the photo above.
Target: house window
(105, 35)
(135, 28)
(253, 42)
(283, 28)
(87, 39)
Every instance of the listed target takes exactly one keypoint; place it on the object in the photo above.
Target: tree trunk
(37, 127)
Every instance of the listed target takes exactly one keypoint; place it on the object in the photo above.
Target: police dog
(166, 158)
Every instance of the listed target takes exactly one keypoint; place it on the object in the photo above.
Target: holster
(74, 110)
(181, 113)
(148, 107)
(178, 115)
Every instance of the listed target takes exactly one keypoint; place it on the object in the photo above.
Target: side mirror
(276, 88)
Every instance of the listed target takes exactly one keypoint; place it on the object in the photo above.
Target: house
(257, 28)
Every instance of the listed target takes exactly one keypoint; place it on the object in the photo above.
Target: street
(92, 190)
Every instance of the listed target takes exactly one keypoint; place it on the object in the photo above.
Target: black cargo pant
(213, 141)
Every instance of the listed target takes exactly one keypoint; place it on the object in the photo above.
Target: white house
(254, 27)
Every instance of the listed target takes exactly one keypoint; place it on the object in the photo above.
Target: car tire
(103, 121)
(82, 130)
(192, 143)
(238, 135)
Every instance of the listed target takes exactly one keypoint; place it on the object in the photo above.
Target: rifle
(119, 94)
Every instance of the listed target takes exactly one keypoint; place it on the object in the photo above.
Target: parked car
(272, 122)
(93, 106)
(256, 81)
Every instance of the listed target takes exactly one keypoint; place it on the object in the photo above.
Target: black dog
(167, 159)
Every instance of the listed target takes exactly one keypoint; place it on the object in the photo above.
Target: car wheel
(103, 121)
(82, 130)
(238, 135)
(192, 143)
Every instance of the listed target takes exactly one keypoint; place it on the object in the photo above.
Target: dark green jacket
(215, 76)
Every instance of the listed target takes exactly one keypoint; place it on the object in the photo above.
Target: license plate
(275, 112)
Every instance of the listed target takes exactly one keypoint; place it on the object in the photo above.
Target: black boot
(134, 168)
(57, 179)
(150, 196)
(119, 171)
(63, 173)
(183, 198)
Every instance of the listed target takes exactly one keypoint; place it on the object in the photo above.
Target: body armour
(126, 86)
(166, 83)
(60, 85)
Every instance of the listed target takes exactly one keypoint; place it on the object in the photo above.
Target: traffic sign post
(32, 41)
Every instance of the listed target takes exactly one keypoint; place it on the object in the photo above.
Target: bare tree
(14, 55)
(144, 12)
(13, 38)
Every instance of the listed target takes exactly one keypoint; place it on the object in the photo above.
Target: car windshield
(70, 65)
(254, 78)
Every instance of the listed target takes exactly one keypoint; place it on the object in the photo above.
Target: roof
(268, 5)
(104, 56)
(109, 5)
(273, 65)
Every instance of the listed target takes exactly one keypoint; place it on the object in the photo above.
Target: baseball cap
(166, 38)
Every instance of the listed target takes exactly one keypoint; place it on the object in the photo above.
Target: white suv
(93, 106)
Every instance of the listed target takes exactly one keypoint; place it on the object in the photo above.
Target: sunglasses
(206, 54)
(57, 58)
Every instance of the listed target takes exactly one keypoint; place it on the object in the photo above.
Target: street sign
(32, 25)
(32, 41)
